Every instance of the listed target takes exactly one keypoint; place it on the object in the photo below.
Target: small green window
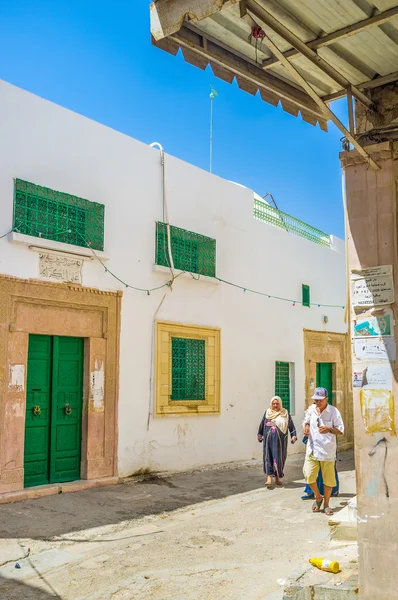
(282, 383)
(191, 251)
(306, 295)
(46, 213)
(188, 369)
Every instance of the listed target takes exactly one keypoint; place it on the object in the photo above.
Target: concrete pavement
(216, 533)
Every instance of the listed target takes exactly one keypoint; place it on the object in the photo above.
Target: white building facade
(171, 378)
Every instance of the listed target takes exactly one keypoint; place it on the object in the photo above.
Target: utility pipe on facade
(165, 207)
(171, 264)
(348, 279)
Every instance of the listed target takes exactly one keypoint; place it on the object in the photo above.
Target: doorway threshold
(53, 489)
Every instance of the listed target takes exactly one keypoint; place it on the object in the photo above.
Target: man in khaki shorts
(322, 423)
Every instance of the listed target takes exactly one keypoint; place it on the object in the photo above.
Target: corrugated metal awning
(334, 46)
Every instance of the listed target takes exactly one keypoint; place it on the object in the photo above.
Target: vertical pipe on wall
(165, 207)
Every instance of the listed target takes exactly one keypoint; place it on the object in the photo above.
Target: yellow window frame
(164, 406)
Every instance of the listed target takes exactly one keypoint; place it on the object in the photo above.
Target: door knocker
(68, 409)
(36, 410)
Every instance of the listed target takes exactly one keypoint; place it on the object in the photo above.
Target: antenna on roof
(213, 94)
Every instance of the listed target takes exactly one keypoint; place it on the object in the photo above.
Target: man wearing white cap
(322, 424)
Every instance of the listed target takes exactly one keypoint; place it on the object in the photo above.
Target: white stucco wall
(51, 146)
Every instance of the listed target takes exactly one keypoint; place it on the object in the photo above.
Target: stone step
(344, 524)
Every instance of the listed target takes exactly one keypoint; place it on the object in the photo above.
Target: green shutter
(324, 378)
(282, 383)
(42, 212)
(306, 295)
(191, 251)
(188, 369)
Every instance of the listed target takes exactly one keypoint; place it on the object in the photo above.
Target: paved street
(212, 534)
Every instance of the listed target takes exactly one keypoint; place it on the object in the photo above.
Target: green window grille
(268, 214)
(306, 295)
(188, 369)
(42, 212)
(282, 383)
(191, 252)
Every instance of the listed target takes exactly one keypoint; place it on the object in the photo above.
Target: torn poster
(375, 349)
(17, 378)
(372, 287)
(377, 376)
(373, 326)
(98, 386)
(377, 408)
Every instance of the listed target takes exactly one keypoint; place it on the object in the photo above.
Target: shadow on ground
(16, 590)
(46, 518)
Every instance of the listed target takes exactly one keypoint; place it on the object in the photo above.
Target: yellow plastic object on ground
(331, 566)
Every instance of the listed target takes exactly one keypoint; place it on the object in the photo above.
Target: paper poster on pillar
(375, 323)
(372, 287)
(357, 377)
(373, 375)
(377, 409)
(371, 349)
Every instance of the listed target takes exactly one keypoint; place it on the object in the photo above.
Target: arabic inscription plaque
(60, 267)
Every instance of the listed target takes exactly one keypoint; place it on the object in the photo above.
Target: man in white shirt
(322, 424)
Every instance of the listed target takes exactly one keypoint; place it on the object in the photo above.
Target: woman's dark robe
(275, 446)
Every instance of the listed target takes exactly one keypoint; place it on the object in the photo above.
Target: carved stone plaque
(61, 267)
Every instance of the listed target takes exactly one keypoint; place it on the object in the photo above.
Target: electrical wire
(294, 302)
(196, 277)
(126, 285)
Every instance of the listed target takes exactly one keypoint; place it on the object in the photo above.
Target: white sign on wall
(378, 375)
(375, 349)
(373, 287)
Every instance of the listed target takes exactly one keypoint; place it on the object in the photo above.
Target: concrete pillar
(372, 241)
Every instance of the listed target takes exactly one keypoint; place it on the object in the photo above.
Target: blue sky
(96, 58)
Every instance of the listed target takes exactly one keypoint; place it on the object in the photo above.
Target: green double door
(324, 378)
(54, 398)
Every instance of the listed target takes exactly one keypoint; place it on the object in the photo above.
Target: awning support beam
(337, 36)
(273, 89)
(367, 85)
(168, 16)
(311, 92)
(264, 18)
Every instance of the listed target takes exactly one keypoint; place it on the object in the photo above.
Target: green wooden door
(53, 409)
(66, 413)
(38, 410)
(324, 378)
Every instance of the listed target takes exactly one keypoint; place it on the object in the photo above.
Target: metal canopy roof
(290, 51)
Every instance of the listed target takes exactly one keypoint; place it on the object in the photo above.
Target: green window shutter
(282, 383)
(306, 295)
(188, 369)
(324, 378)
(43, 212)
(191, 251)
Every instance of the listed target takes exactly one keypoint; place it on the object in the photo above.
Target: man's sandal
(316, 507)
(328, 511)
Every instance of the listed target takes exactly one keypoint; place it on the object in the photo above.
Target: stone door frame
(36, 307)
(323, 346)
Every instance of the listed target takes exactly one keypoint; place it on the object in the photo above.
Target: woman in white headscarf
(273, 432)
